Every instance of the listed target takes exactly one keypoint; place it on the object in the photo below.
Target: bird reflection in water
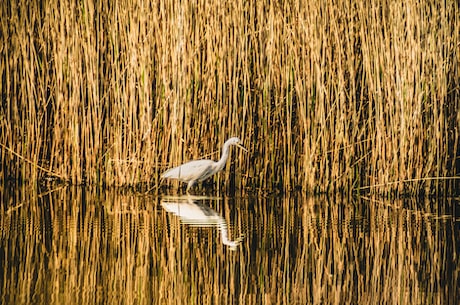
(192, 211)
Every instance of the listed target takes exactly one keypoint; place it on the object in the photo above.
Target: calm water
(87, 246)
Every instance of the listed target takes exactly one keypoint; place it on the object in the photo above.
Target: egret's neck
(223, 159)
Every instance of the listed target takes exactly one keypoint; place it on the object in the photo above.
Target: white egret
(199, 170)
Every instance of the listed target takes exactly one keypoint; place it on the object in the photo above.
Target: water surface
(85, 246)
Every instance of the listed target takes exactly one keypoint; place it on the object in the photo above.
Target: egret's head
(235, 141)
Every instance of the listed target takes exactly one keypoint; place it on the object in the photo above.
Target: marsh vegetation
(327, 96)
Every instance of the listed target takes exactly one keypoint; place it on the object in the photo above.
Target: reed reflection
(192, 211)
(89, 246)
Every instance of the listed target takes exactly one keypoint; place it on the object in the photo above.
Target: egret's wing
(194, 170)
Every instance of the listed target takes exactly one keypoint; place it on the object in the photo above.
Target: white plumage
(199, 170)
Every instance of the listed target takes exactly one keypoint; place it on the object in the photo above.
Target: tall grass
(326, 95)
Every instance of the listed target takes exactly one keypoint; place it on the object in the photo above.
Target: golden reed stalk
(328, 95)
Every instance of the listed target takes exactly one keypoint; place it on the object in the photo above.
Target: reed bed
(86, 246)
(342, 95)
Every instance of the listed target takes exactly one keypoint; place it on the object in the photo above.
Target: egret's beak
(240, 146)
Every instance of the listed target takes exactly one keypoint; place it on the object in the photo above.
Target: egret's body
(199, 170)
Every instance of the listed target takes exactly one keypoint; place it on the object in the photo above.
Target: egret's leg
(189, 185)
